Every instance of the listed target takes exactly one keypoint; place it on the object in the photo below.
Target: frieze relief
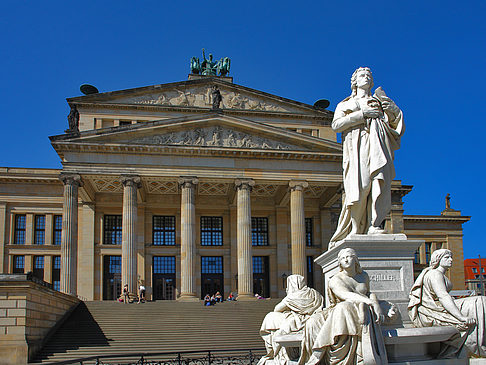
(201, 97)
(213, 137)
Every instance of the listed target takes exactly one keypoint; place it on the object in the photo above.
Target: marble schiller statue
(371, 127)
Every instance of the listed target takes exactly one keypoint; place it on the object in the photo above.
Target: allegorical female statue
(288, 317)
(348, 331)
(371, 127)
(432, 305)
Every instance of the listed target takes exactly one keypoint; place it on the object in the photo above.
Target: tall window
(417, 256)
(428, 249)
(163, 230)
(310, 271)
(211, 265)
(56, 272)
(211, 231)
(39, 267)
(309, 238)
(113, 229)
(19, 235)
(259, 231)
(164, 265)
(18, 264)
(40, 229)
(56, 239)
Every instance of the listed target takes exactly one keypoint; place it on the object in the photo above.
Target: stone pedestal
(388, 260)
(188, 239)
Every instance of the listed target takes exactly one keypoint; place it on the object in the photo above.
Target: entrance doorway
(111, 277)
(163, 278)
(212, 278)
(260, 276)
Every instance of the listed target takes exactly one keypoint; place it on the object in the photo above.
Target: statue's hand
(369, 112)
(470, 321)
(380, 317)
(390, 106)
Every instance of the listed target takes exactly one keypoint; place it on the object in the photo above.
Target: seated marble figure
(288, 317)
(432, 305)
(348, 331)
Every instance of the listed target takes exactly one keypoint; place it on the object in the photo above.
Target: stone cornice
(435, 218)
(325, 119)
(61, 147)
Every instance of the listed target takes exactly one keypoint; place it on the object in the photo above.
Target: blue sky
(429, 57)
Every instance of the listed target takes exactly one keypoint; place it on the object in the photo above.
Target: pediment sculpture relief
(214, 136)
(201, 97)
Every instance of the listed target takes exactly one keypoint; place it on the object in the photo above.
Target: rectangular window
(211, 231)
(39, 267)
(310, 271)
(19, 234)
(164, 265)
(40, 230)
(211, 265)
(18, 264)
(474, 270)
(113, 230)
(259, 264)
(163, 232)
(482, 270)
(309, 238)
(56, 239)
(56, 273)
(417, 256)
(428, 248)
(259, 231)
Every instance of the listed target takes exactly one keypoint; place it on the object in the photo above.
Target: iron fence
(212, 357)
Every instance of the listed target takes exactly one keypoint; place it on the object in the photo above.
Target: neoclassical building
(158, 186)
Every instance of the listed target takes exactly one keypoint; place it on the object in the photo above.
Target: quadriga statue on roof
(432, 305)
(371, 127)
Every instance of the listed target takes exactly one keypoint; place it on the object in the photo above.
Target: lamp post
(284, 279)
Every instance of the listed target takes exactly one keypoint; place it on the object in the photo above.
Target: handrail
(252, 354)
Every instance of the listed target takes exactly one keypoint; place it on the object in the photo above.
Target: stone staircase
(111, 328)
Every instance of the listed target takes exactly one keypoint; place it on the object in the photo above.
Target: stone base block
(246, 298)
(188, 298)
(388, 260)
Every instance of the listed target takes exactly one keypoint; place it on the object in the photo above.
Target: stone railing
(29, 310)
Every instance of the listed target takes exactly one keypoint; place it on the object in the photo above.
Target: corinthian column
(129, 232)
(69, 235)
(297, 227)
(188, 239)
(243, 239)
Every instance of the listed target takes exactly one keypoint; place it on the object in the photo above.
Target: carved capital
(70, 179)
(298, 185)
(244, 184)
(188, 182)
(131, 180)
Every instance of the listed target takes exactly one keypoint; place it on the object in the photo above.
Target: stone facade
(28, 311)
(158, 188)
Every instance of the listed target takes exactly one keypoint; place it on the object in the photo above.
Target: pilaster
(188, 239)
(131, 184)
(3, 237)
(245, 271)
(69, 236)
(297, 223)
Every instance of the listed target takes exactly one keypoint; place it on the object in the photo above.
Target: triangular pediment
(211, 131)
(197, 94)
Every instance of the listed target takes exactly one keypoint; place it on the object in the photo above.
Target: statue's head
(347, 254)
(441, 257)
(295, 283)
(361, 75)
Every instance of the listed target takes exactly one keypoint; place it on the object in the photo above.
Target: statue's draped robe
(425, 310)
(368, 153)
(300, 303)
(346, 334)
